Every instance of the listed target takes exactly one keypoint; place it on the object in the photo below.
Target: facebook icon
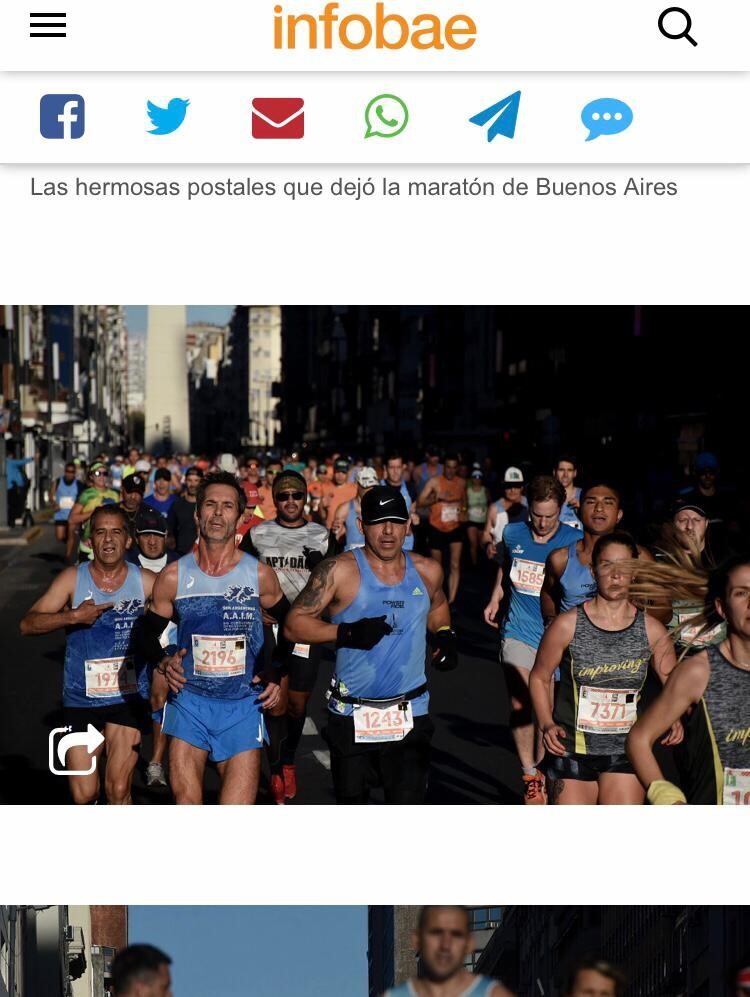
(62, 115)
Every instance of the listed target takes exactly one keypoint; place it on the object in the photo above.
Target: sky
(137, 315)
(259, 951)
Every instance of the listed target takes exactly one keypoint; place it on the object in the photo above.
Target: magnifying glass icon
(685, 33)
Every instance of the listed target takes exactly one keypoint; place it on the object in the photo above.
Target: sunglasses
(285, 496)
(99, 474)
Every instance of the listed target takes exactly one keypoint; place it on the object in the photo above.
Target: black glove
(362, 634)
(445, 650)
(312, 557)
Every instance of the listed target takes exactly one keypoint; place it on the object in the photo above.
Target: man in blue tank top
(394, 476)
(525, 548)
(381, 603)
(64, 493)
(98, 603)
(217, 594)
(346, 518)
(443, 942)
(568, 578)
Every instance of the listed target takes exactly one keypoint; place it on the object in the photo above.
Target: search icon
(685, 33)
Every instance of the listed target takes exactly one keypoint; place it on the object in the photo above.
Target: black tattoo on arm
(311, 596)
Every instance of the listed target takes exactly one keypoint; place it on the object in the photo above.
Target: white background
(690, 249)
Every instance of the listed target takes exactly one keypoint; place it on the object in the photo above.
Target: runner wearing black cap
(161, 498)
(292, 547)
(381, 602)
(181, 517)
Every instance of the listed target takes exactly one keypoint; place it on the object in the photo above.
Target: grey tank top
(727, 701)
(601, 678)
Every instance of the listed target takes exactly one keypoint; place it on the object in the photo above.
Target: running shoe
(277, 789)
(155, 774)
(534, 788)
(290, 781)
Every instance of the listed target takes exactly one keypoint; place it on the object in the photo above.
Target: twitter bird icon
(167, 119)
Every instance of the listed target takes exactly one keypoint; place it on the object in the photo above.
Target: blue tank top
(480, 986)
(66, 497)
(219, 623)
(409, 540)
(397, 662)
(102, 667)
(354, 536)
(527, 560)
(577, 583)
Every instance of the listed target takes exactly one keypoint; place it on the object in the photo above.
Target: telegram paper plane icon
(501, 117)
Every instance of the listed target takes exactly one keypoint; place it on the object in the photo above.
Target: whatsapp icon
(386, 116)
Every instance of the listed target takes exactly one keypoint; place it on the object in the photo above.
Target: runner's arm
(303, 623)
(53, 490)
(684, 687)
(557, 638)
(493, 606)
(51, 612)
(549, 596)
(428, 495)
(339, 520)
(77, 515)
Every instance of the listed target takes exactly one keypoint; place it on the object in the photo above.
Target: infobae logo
(381, 29)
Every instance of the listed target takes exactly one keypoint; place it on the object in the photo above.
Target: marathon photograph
(434, 951)
(379, 555)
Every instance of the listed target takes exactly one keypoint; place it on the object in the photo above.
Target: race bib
(449, 514)
(66, 502)
(110, 677)
(301, 650)
(736, 787)
(377, 725)
(527, 576)
(606, 711)
(218, 657)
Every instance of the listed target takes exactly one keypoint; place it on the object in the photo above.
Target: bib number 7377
(377, 725)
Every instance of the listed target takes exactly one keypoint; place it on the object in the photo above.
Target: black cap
(194, 470)
(342, 464)
(685, 505)
(149, 520)
(383, 503)
(133, 483)
(162, 474)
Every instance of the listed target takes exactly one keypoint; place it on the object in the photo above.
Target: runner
(378, 707)
(162, 497)
(343, 491)
(511, 507)
(105, 679)
(181, 518)
(443, 942)
(216, 593)
(292, 547)
(445, 497)
(595, 978)
(394, 477)
(742, 983)
(526, 547)
(141, 971)
(478, 500)
(267, 504)
(420, 476)
(131, 498)
(603, 648)
(150, 552)
(566, 471)
(64, 493)
(346, 520)
(716, 680)
(95, 494)
(569, 580)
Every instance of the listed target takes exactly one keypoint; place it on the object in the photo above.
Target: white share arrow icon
(90, 739)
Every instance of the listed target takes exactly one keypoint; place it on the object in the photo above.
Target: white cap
(142, 465)
(228, 462)
(366, 477)
(513, 476)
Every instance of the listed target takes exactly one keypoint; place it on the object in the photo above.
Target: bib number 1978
(375, 725)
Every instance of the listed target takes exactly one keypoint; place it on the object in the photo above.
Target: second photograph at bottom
(373, 555)
(376, 951)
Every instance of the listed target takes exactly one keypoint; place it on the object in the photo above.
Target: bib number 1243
(375, 725)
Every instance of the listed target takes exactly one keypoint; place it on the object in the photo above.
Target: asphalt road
(472, 758)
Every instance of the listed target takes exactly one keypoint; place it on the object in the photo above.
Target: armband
(279, 609)
(661, 792)
(151, 628)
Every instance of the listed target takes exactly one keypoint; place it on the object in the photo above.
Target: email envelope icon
(278, 117)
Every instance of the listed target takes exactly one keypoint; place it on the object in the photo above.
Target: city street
(473, 760)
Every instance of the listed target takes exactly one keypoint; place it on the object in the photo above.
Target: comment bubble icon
(386, 116)
(606, 116)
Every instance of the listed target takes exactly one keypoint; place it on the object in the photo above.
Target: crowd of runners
(200, 594)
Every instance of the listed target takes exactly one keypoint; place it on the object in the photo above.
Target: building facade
(59, 951)
(167, 416)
